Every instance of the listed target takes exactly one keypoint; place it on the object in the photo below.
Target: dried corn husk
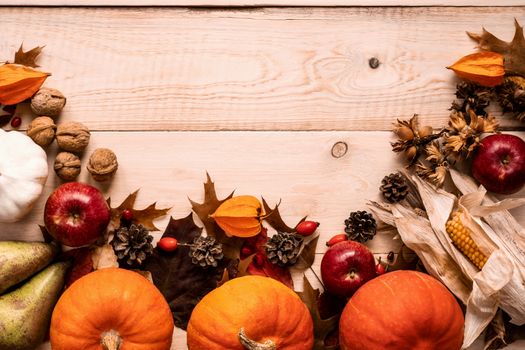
(501, 282)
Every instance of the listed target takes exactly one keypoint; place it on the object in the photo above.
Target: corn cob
(460, 236)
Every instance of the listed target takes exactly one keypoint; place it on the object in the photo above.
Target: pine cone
(132, 244)
(205, 251)
(394, 187)
(511, 97)
(283, 248)
(360, 226)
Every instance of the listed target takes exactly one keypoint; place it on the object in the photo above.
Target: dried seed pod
(42, 131)
(48, 101)
(102, 164)
(72, 136)
(67, 166)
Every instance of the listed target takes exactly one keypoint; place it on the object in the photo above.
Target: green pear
(25, 313)
(21, 260)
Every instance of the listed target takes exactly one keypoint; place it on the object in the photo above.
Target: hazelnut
(102, 164)
(42, 131)
(67, 166)
(48, 102)
(72, 136)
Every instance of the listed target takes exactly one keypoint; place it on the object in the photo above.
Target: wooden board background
(257, 97)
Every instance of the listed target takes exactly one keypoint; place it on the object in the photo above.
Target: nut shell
(67, 166)
(42, 131)
(72, 136)
(48, 101)
(102, 164)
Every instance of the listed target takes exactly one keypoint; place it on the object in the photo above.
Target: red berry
(16, 122)
(306, 228)
(246, 251)
(336, 239)
(168, 244)
(258, 260)
(127, 214)
(380, 268)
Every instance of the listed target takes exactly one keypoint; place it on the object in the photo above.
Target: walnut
(102, 164)
(67, 166)
(72, 136)
(48, 102)
(42, 131)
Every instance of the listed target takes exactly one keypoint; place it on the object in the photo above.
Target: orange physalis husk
(18, 83)
(485, 68)
(239, 216)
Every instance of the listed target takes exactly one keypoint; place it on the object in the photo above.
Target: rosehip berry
(306, 228)
(246, 251)
(16, 122)
(168, 244)
(127, 215)
(380, 269)
(258, 260)
(336, 239)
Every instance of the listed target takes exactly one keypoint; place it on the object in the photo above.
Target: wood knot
(373, 62)
(339, 149)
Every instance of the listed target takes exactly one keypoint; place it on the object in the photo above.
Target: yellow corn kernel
(462, 240)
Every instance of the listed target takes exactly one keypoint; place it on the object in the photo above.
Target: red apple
(76, 214)
(499, 163)
(346, 266)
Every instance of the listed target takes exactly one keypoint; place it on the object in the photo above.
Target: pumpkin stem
(110, 340)
(253, 345)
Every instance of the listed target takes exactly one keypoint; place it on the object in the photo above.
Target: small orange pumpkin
(250, 312)
(111, 309)
(239, 216)
(402, 310)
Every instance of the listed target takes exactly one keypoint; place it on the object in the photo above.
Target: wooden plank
(251, 69)
(258, 3)
(297, 168)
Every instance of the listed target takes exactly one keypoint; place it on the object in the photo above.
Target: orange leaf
(484, 68)
(18, 83)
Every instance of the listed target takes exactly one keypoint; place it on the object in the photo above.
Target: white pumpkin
(23, 173)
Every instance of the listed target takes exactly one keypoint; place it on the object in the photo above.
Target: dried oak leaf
(28, 58)
(513, 52)
(143, 216)
(323, 328)
(230, 245)
(274, 219)
(307, 255)
(181, 282)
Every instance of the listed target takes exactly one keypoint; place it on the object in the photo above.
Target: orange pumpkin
(111, 309)
(402, 310)
(250, 312)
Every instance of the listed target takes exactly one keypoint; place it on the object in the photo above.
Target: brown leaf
(181, 282)
(402, 262)
(514, 51)
(267, 269)
(82, 264)
(274, 218)
(322, 327)
(143, 216)
(307, 256)
(230, 245)
(28, 58)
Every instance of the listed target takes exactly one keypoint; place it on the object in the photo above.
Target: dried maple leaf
(81, 264)
(265, 268)
(513, 52)
(143, 216)
(28, 58)
(274, 219)
(230, 245)
(181, 282)
(322, 327)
